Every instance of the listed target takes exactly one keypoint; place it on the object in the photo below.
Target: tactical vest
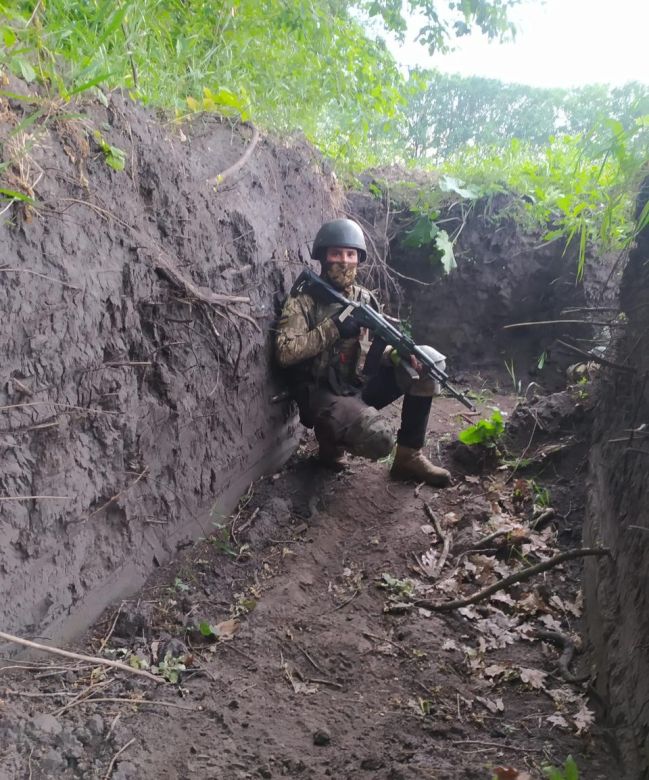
(338, 366)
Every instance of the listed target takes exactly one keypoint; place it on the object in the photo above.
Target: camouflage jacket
(308, 343)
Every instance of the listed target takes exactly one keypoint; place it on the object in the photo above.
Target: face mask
(341, 275)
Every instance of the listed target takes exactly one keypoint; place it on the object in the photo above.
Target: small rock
(48, 724)
(264, 771)
(371, 763)
(125, 770)
(53, 763)
(134, 621)
(321, 737)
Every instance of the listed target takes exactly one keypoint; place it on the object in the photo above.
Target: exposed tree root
(221, 177)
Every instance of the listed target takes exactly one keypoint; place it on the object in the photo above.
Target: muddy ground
(329, 671)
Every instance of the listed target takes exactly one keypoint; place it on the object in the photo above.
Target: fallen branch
(569, 649)
(444, 538)
(564, 322)
(220, 177)
(78, 656)
(486, 540)
(596, 359)
(520, 576)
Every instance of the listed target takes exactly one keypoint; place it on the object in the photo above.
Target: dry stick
(125, 700)
(308, 658)
(596, 359)
(564, 322)
(84, 694)
(105, 640)
(115, 757)
(78, 656)
(525, 574)
(444, 538)
(486, 540)
(35, 273)
(66, 407)
(495, 745)
(117, 495)
(31, 498)
(220, 177)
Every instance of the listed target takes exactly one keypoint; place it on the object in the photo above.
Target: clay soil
(319, 680)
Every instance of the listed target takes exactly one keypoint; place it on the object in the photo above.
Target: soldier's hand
(348, 327)
(416, 364)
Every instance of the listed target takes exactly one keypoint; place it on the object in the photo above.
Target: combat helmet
(339, 232)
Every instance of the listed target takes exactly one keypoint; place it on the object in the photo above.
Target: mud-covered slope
(129, 407)
(617, 590)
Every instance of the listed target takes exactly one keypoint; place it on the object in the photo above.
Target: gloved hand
(348, 327)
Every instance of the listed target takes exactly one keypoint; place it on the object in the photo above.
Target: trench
(138, 410)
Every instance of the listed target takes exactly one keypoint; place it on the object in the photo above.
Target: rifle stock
(312, 284)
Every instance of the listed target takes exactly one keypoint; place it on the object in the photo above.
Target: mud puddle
(291, 646)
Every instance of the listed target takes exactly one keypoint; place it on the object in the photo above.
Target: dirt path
(319, 680)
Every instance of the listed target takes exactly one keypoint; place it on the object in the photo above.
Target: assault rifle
(316, 287)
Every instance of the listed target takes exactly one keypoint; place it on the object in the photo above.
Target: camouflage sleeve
(296, 340)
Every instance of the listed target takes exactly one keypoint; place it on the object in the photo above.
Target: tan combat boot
(410, 464)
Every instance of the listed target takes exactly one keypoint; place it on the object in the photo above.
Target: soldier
(323, 355)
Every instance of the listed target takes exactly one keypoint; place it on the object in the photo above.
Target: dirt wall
(617, 590)
(505, 274)
(136, 414)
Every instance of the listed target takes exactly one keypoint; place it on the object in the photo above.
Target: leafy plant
(170, 667)
(570, 771)
(512, 373)
(486, 432)
(395, 586)
(221, 538)
(115, 157)
(180, 586)
(541, 494)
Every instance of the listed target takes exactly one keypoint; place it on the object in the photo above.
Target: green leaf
(26, 70)
(16, 195)
(484, 431)
(8, 37)
(206, 629)
(445, 246)
(116, 159)
(113, 156)
(571, 771)
(451, 184)
(422, 233)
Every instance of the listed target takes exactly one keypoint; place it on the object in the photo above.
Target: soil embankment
(618, 517)
(505, 275)
(135, 343)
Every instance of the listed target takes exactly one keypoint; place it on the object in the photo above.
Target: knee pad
(369, 436)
